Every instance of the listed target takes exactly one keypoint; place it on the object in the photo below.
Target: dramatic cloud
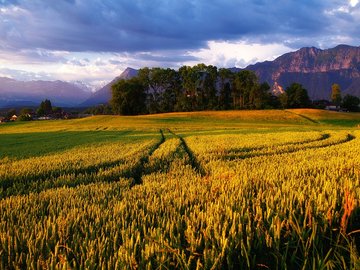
(142, 25)
(115, 33)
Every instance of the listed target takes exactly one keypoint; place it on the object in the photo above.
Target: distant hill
(315, 69)
(15, 93)
(103, 95)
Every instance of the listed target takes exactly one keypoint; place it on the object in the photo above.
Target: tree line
(200, 87)
(45, 110)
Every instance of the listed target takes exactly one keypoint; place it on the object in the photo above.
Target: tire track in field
(23, 185)
(305, 117)
(139, 169)
(246, 155)
(195, 164)
(251, 149)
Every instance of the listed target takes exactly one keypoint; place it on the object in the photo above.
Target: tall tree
(199, 86)
(225, 82)
(351, 103)
(189, 79)
(336, 94)
(161, 87)
(128, 97)
(284, 100)
(245, 84)
(297, 96)
(260, 96)
(45, 108)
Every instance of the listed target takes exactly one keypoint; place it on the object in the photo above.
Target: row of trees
(45, 109)
(203, 87)
(200, 87)
(348, 102)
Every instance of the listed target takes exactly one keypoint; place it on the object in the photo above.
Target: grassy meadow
(277, 189)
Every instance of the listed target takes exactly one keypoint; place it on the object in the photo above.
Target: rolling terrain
(207, 190)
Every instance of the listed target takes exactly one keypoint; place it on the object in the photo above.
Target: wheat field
(207, 190)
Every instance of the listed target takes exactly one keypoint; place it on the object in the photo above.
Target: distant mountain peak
(129, 69)
(103, 95)
(128, 73)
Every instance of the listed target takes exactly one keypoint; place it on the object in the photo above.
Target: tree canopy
(128, 97)
(202, 87)
(45, 108)
(295, 96)
(351, 103)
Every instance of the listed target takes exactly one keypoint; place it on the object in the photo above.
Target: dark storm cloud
(142, 25)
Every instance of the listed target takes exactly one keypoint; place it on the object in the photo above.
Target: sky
(93, 41)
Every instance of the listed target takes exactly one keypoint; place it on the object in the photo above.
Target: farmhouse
(14, 117)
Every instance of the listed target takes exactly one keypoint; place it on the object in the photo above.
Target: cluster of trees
(45, 109)
(200, 87)
(348, 102)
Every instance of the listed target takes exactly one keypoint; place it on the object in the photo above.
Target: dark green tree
(171, 90)
(297, 96)
(162, 88)
(261, 96)
(225, 82)
(351, 103)
(198, 85)
(245, 87)
(128, 97)
(45, 108)
(189, 82)
(284, 100)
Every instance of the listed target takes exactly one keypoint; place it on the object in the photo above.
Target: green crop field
(277, 189)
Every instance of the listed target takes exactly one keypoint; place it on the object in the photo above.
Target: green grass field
(275, 189)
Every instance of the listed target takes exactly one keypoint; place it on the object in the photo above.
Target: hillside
(29, 93)
(315, 69)
(204, 120)
(103, 95)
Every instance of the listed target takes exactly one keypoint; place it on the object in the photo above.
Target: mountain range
(15, 93)
(314, 68)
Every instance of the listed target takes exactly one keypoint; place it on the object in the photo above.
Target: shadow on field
(24, 145)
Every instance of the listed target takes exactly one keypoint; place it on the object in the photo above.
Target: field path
(305, 117)
(326, 141)
(193, 160)
(103, 172)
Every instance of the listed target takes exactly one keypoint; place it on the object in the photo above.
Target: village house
(13, 118)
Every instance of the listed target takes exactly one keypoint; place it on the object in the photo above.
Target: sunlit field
(207, 190)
